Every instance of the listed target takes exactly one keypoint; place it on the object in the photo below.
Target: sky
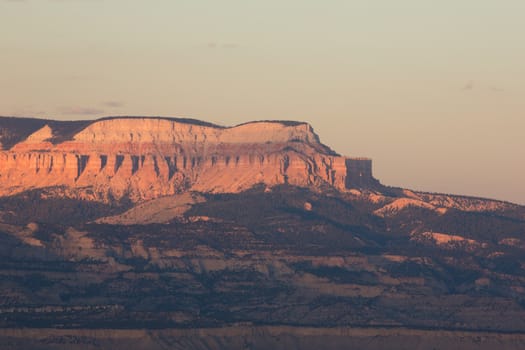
(432, 91)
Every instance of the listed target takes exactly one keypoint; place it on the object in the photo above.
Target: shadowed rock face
(145, 158)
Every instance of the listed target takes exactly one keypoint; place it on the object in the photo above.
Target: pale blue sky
(433, 91)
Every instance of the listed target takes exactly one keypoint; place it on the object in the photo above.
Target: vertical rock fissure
(50, 164)
(135, 164)
(119, 159)
(82, 161)
(285, 164)
(156, 166)
(103, 161)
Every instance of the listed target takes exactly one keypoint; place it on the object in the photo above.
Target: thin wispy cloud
(496, 89)
(230, 46)
(215, 45)
(30, 113)
(468, 86)
(80, 110)
(51, 1)
(113, 104)
(74, 77)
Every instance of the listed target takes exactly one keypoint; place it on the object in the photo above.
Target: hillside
(292, 247)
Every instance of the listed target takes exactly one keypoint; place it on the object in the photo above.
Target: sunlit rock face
(146, 158)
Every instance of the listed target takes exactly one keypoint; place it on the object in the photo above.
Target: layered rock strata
(146, 158)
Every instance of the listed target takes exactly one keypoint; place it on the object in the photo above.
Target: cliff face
(145, 158)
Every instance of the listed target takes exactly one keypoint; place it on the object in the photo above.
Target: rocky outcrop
(146, 158)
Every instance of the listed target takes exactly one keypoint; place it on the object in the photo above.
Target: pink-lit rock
(146, 158)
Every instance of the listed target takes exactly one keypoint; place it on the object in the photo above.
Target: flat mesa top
(6, 121)
(14, 130)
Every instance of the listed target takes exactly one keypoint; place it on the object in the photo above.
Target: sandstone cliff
(145, 158)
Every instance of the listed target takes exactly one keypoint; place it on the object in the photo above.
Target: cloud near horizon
(113, 104)
(80, 110)
(217, 45)
(468, 86)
